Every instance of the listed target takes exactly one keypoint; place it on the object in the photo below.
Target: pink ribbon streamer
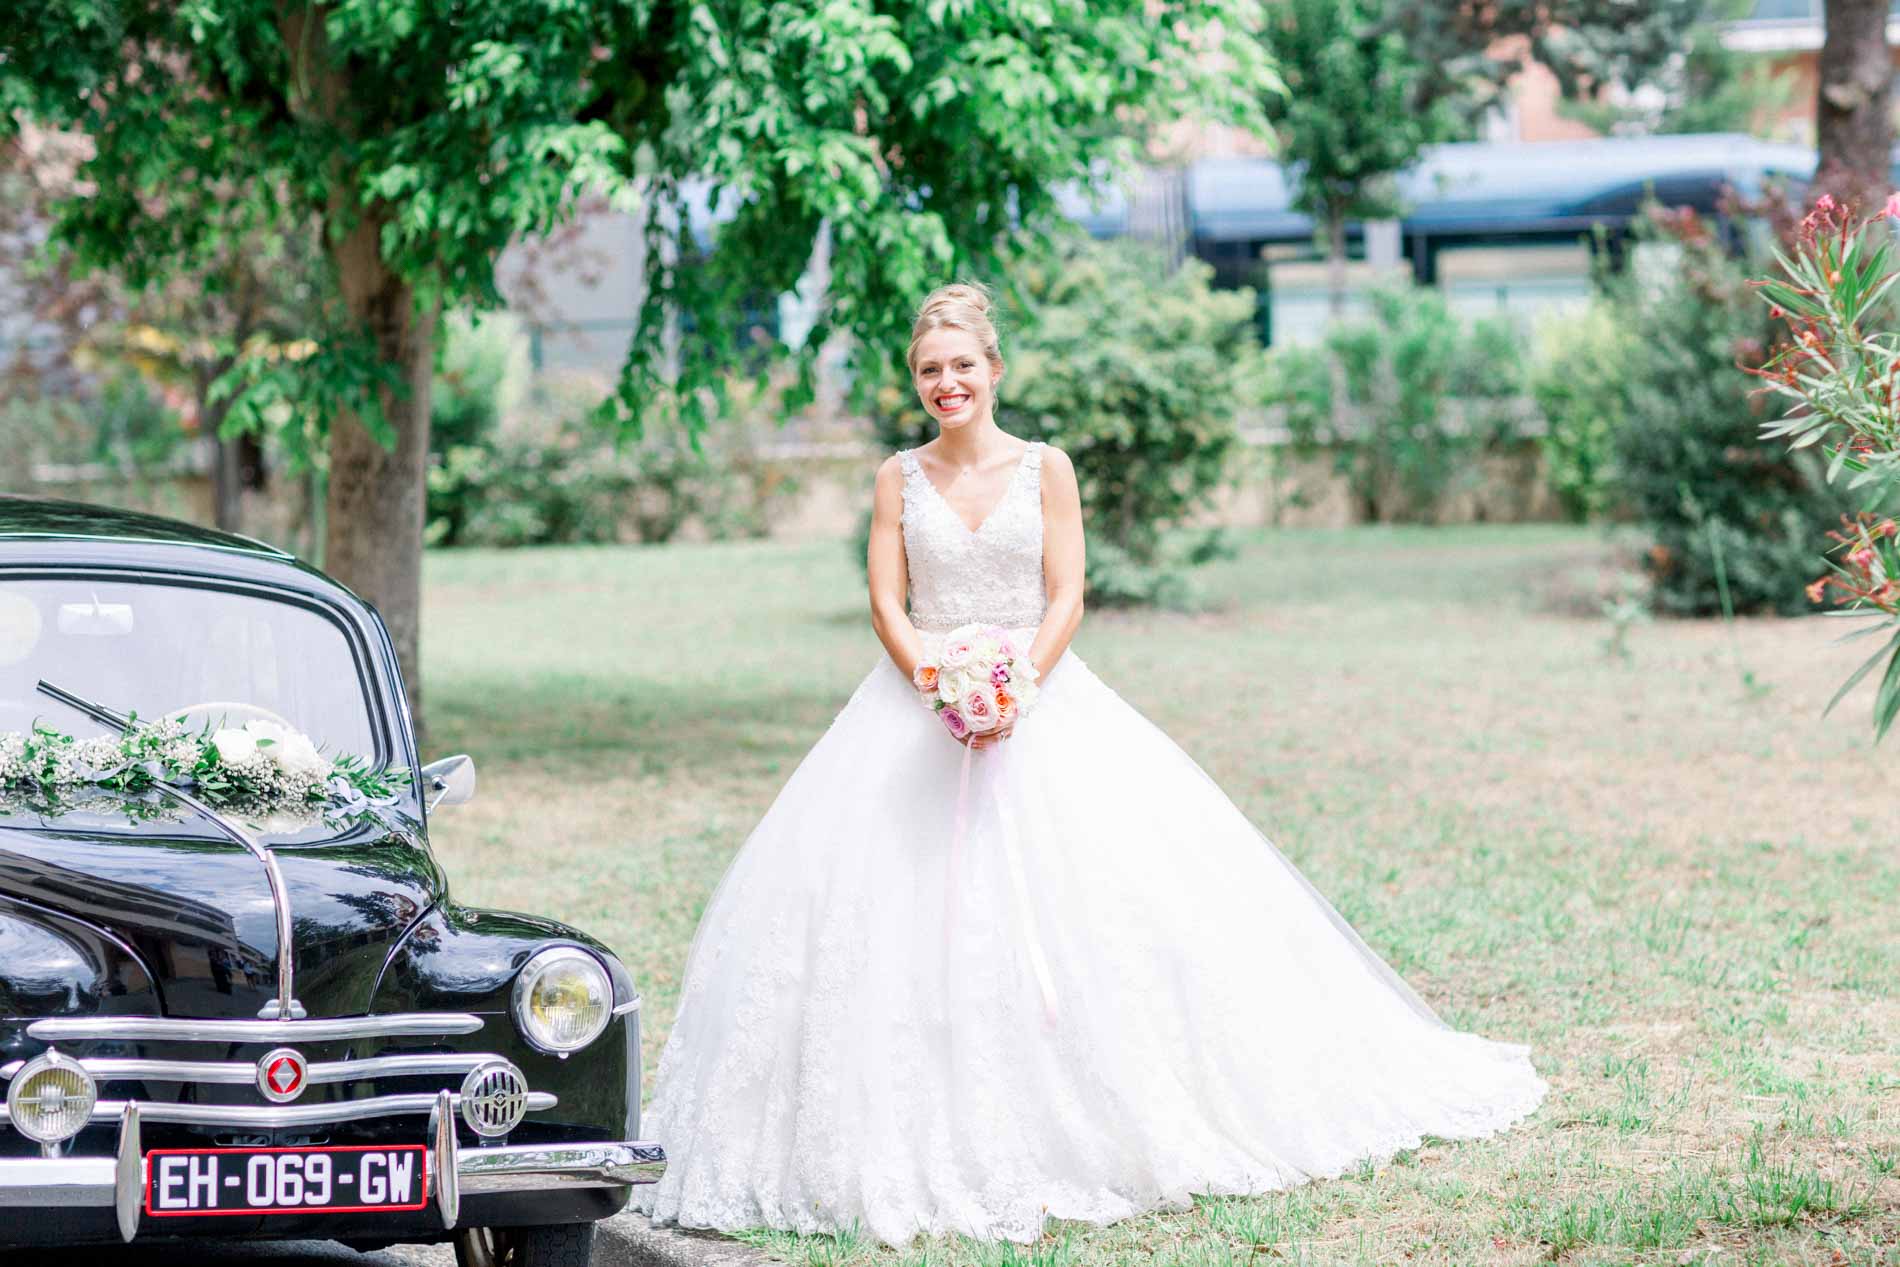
(1018, 883)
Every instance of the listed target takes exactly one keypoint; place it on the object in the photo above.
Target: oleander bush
(1723, 511)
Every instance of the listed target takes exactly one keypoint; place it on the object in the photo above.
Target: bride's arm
(1063, 559)
(889, 576)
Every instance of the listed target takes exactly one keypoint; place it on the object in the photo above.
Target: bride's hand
(995, 736)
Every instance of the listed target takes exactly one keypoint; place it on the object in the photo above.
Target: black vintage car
(214, 1028)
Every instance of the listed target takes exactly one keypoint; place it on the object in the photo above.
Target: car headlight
(563, 999)
(50, 1100)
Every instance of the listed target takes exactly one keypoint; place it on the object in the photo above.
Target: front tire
(560, 1245)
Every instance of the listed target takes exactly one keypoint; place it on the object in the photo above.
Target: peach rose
(925, 678)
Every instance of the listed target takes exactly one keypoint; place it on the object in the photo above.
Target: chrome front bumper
(119, 1181)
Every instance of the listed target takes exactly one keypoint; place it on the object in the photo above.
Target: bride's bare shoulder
(1055, 462)
(889, 484)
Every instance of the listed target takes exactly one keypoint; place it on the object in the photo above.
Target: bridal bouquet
(979, 683)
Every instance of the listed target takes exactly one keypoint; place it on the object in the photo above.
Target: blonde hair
(958, 306)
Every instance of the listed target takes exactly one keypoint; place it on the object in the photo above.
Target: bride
(1113, 993)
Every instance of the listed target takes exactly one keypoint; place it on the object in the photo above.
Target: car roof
(42, 517)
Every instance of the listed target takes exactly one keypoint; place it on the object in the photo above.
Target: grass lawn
(1666, 872)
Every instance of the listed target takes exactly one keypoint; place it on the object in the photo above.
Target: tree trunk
(1854, 125)
(375, 504)
(227, 484)
(1344, 423)
(1336, 263)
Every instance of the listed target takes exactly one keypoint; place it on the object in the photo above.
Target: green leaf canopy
(930, 134)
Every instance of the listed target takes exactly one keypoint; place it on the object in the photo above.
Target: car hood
(196, 906)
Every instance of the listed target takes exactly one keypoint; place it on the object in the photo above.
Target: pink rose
(979, 710)
(953, 721)
(956, 653)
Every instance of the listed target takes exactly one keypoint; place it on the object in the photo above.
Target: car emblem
(281, 1075)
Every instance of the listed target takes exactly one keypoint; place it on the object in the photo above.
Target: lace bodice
(993, 575)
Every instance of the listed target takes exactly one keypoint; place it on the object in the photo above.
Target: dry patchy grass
(1667, 872)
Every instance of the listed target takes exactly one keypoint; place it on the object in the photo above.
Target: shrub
(1687, 453)
(1135, 373)
(1579, 386)
(1424, 396)
(135, 430)
(551, 476)
(481, 375)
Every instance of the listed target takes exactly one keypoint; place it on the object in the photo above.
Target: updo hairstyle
(958, 306)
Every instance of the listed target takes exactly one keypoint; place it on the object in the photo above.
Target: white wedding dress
(1112, 993)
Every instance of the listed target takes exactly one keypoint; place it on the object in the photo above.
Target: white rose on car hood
(234, 746)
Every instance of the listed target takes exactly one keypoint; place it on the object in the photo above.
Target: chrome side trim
(421, 1064)
(70, 1182)
(276, 1115)
(630, 1006)
(538, 1167)
(243, 1073)
(185, 1030)
(55, 1181)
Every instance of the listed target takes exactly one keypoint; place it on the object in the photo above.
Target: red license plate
(195, 1182)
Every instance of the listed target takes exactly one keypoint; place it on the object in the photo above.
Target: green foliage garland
(258, 766)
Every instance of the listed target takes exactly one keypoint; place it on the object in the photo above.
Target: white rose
(234, 746)
(267, 732)
(952, 686)
(959, 647)
(299, 755)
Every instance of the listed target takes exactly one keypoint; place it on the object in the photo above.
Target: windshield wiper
(98, 712)
(285, 1006)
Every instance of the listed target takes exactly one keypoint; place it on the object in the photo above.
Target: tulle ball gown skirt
(1108, 993)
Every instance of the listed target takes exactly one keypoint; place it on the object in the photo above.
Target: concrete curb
(628, 1240)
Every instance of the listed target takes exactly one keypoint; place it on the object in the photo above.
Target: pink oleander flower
(1893, 205)
(999, 675)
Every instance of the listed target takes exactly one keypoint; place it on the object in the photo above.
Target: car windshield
(158, 649)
